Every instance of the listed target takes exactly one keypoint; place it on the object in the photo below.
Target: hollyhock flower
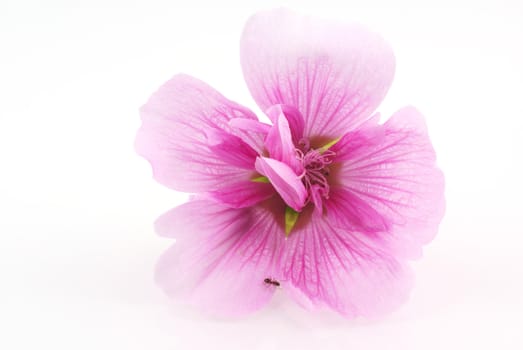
(324, 203)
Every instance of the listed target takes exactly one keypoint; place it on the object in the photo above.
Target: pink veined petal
(284, 180)
(293, 116)
(342, 270)
(372, 121)
(244, 194)
(280, 145)
(221, 256)
(252, 132)
(352, 212)
(176, 136)
(389, 181)
(335, 74)
(231, 149)
(250, 125)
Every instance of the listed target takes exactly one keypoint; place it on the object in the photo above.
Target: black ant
(271, 281)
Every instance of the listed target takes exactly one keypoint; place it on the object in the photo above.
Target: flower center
(315, 168)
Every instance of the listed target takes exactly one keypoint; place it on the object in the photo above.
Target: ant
(271, 281)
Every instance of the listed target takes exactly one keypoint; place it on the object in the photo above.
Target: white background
(77, 249)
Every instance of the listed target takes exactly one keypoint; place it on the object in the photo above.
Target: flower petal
(343, 270)
(231, 149)
(293, 116)
(179, 123)
(221, 256)
(388, 181)
(335, 74)
(280, 145)
(244, 194)
(252, 132)
(284, 180)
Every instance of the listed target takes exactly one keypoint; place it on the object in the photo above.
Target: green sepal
(263, 179)
(291, 217)
(329, 145)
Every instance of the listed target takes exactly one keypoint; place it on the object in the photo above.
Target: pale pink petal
(250, 125)
(176, 135)
(221, 256)
(293, 116)
(343, 270)
(372, 121)
(280, 145)
(335, 74)
(389, 182)
(231, 149)
(244, 194)
(284, 180)
(252, 132)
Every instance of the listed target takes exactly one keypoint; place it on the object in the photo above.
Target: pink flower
(325, 204)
